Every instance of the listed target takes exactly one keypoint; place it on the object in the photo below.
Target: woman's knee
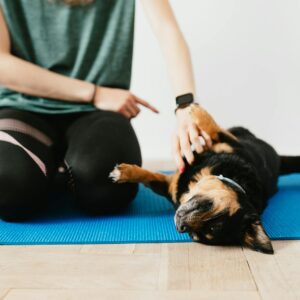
(96, 194)
(105, 199)
(104, 138)
(110, 140)
(20, 204)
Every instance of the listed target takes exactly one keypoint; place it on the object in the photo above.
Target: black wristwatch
(184, 100)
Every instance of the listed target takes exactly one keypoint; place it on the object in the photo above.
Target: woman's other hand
(119, 100)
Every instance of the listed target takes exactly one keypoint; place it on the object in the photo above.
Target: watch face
(184, 99)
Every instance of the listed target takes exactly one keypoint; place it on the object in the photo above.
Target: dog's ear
(255, 236)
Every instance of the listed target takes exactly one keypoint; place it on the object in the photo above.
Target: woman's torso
(92, 43)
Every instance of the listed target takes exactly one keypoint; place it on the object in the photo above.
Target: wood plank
(163, 271)
(93, 294)
(3, 293)
(147, 249)
(288, 261)
(64, 267)
(25, 269)
(135, 249)
(174, 271)
(4, 250)
(269, 279)
(287, 249)
(290, 271)
(108, 249)
(219, 268)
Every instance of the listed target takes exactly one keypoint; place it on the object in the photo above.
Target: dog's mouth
(201, 225)
(190, 215)
(191, 224)
(188, 221)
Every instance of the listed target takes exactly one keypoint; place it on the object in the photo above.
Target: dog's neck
(232, 182)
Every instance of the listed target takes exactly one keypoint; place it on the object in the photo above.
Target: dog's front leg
(160, 183)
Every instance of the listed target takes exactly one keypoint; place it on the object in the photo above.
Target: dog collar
(231, 181)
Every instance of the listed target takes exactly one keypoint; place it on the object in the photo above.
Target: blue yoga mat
(149, 219)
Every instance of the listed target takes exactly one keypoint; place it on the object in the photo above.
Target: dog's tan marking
(257, 232)
(222, 147)
(248, 239)
(256, 236)
(209, 236)
(173, 186)
(223, 196)
(204, 121)
(211, 187)
(195, 236)
(206, 171)
(207, 123)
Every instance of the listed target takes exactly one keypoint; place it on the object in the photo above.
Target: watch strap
(185, 99)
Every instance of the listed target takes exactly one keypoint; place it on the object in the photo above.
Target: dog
(219, 197)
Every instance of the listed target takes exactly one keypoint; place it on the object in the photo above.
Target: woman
(65, 70)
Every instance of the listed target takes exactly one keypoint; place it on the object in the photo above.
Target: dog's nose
(182, 227)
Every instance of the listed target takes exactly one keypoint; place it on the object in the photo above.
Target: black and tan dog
(220, 197)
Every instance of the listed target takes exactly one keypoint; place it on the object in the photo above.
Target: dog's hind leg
(162, 184)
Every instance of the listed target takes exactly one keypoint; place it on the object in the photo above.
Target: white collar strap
(231, 181)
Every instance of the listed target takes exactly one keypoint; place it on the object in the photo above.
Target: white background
(246, 57)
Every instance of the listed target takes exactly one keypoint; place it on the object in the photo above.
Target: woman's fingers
(146, 104)
(177, 154)
(125, 112)
(132, 108)
(190, 135)
(186, 146)
(194, 138)
(206, 138)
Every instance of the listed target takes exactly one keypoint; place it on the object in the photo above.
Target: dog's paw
(121, 173)
(115, 174)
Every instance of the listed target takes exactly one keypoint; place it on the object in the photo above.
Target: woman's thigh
(27, 164)
(97, 142)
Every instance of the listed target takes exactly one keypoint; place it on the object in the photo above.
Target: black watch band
(184, 100)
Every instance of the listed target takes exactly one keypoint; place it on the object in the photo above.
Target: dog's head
(217, 213)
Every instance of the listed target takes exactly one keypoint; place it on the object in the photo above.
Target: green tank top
(92, 43)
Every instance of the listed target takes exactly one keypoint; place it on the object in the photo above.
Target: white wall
(246, 56)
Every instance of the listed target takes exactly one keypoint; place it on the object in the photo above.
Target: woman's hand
(119, 100)
(188, 134)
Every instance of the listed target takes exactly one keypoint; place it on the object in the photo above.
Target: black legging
(87, 145)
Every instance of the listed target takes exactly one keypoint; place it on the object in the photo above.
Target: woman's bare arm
(28, 78)
(25, 77)
(178, 59)
(173, 45)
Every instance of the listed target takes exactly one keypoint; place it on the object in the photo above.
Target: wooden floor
(149, 271)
